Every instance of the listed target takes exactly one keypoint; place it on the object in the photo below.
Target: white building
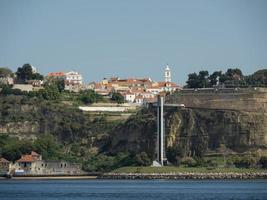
(129, 97)
(73, 78)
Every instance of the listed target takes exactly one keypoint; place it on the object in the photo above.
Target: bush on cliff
(174, 154)
(104, 163)
(263, 161)
(244, 162)
(142, 159)
(189, 162)
(47, 147)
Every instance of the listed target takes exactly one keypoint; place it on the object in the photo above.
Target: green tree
(47, 146)
(60, 85)
(13, 148)
(50, 92)
(215, 77)
(244, 161)
(259, 78)
(193, 81)
(117, 97)
(199, 80)
(90, 96)
(5, 72)
(234, 74)
(101, 163)
(263, 161)
(174, 154)
(203, 79)
(142, 159)
(25, 73)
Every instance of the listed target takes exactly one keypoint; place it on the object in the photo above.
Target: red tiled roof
(56, 74)
(26, 158)
(29, 158)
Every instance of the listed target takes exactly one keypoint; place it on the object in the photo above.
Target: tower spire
(167, 74)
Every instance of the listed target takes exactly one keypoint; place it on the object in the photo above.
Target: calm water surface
(133, 189)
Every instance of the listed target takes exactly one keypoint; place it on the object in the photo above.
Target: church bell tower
(167, 74)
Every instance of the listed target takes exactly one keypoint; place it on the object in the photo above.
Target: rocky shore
(232, 175)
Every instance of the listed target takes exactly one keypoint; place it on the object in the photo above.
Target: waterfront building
(33, 164)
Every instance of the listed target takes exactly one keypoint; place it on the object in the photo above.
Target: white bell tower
(167, 74)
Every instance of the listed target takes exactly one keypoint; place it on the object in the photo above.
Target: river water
(133, 189)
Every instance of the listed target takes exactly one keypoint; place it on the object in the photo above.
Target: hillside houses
(72, 80)
(136, 90)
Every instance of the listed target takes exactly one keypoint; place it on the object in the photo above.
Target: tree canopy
(90, 96)
(117, 97)
(25, 73)
(5, 72)
(231, 78)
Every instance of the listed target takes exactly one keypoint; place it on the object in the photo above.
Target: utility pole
(160, 130)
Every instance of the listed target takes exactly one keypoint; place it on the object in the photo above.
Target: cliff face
(137, 134)
(29, 118)
(195, 130)
(198, 131)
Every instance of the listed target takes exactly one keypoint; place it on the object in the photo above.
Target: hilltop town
(133, 90)
(57, 124)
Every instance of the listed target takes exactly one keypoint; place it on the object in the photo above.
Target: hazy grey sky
(104, 38)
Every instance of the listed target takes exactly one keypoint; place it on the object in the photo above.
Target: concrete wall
(103, 109)
(250, 100)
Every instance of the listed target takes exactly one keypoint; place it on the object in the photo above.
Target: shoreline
(182, 176)
(58, 177)
(150, 176)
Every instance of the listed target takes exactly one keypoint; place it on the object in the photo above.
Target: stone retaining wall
(212, 175)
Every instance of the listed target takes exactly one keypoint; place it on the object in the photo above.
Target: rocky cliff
(196, 131)
(199, 131)
(30, 118)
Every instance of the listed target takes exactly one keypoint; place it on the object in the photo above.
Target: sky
(107, 38)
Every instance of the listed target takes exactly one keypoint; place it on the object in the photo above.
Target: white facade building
(73, 78)
(129, 97)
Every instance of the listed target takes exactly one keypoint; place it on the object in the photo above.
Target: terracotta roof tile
(26, 158)
(56, 74)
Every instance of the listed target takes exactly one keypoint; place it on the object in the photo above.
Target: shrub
(117, 97)
(174, 154)
(245, 162)
(211, 164)
(142, 159)
(189, 162)
(263, 161)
